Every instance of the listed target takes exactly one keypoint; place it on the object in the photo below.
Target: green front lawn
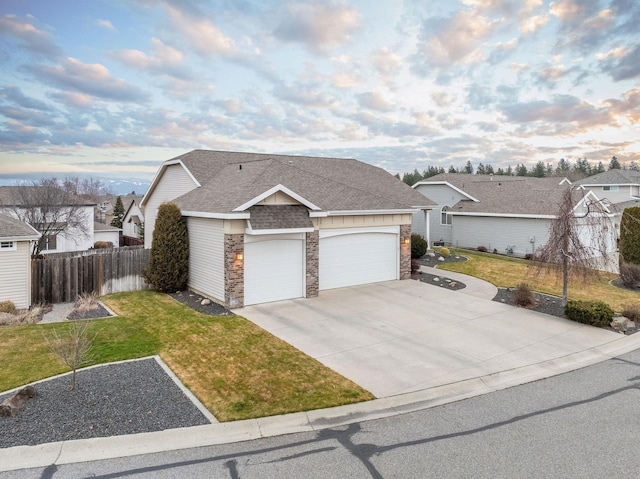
(235, 368)
(506, 272)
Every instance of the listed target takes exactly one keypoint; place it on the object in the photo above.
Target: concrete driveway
(402, 336)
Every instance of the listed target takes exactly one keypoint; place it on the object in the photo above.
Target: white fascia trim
(503, 215)
(273, 190)
(371, 212)
(591, 194)
(218, 216)
(318, 214)
(158, 175)
(249, 231)
(446, 183)
(21, 238)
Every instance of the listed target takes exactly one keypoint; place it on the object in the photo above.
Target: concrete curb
(69, 452)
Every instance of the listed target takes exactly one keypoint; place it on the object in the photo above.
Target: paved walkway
(455, 390)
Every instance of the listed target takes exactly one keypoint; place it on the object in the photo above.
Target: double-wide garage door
(358, 256)
(274, 265)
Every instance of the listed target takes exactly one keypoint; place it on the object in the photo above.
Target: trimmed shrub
(7, 307)
(482, 249)
(523, 295)
(444, 252)
(418, 246)
(630, 274)
(169, 262)
(632, 312)
(630, 235)
(595, 313)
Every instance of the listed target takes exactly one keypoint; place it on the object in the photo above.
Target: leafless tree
(50, 209)
(581, 239)
(73, 348)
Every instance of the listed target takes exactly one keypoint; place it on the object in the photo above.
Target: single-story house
(132, 222)
(106, 233)
(266, 227)
(615, 186)
(15, 261)
(509, 214)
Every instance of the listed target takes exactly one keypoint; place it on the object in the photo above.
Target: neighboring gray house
(132, 222)
(15, 261)
(510, 214)
(268, 227)
(619, 187)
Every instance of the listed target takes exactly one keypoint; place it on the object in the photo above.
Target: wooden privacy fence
(61, 277)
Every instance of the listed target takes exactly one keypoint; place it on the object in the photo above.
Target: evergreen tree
(452, 169)
(509, 171)
(118, 213)
(630, 235)
(468, 168)
(500, 171)
(614, 164)
(521, 170)
(598, 169)
(488, 170)
(563, 167)
(481, 170)
(538, 171)
(169, 262)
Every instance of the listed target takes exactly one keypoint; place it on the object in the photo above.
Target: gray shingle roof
(268, 217)
(612, 177)
(507, 195)
(13, 228)
(231, 179)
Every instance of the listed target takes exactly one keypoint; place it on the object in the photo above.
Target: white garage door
(273, 268)
(348, 258)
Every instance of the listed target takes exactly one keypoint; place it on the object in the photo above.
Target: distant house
(619, 187)
(266, 227)
(509, 214)
(132, 222)
(69, 238)
(106, 233)
(15, 261)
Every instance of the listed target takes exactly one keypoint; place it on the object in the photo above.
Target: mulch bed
(195, 301)
(99, 312)
(438, 280)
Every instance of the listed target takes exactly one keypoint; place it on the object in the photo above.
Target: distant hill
(115, 186)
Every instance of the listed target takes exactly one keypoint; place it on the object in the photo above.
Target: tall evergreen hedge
(630, 235)
(169, 263)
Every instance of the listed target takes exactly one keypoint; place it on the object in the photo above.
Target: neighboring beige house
(15, 261)
(511, 214)
(268, 227)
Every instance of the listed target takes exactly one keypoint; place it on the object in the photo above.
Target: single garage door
(351, 257)
(273, 268)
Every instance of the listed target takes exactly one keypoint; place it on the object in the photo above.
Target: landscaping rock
(436, 279)
(205, 302)
(441, 258)
(622, 324)
(13, 404)
(431, 254)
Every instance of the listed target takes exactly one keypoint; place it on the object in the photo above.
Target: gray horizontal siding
(499, 233)
(206, 257)
(15, 267)
(442, 195)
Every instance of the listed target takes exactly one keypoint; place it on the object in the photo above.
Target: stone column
(405, 252)
(312, 257)
(233, 270)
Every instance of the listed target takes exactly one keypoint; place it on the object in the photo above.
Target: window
(445, 216)
(610, 188)
(7, 245)
(48, 242)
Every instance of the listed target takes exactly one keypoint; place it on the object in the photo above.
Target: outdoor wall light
(406, 240)
(239, 256)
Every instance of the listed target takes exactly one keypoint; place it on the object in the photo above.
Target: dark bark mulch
(194, 301)
(544, 303)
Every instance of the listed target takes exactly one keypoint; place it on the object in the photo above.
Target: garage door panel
(273, 270)
(352, 259)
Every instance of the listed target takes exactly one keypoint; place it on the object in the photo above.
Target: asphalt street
(580, 424)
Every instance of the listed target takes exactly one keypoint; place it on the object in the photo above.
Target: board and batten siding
(206, 257)
(15, 276)
(174, 182)
(500, 233)
(441, 195)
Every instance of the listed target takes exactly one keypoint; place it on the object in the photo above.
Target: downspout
(426, 223)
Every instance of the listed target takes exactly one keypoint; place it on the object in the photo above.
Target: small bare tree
(581, 239)
(73, 348)
(49, 208)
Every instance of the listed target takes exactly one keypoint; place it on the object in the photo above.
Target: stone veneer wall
(313, 252)
(233, 271)
(405, 252)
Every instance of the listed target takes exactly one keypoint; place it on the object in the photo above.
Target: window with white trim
(7, 245)
(445, 215)
(610, 188)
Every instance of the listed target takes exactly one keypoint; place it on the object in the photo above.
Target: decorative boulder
(12, 405)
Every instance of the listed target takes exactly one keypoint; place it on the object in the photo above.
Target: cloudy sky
(118, 86)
